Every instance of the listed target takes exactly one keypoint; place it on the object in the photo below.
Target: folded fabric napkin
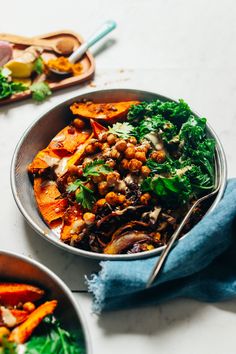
(202, 266)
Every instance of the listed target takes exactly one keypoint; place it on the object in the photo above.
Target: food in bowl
(120, 177)
(28, 324)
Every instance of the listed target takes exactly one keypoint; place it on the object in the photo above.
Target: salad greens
(188, 170)
(7, 86)
(50, 338)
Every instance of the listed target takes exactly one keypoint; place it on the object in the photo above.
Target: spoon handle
(99, 34)
(25, 40)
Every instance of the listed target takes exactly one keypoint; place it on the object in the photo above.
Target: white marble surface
(182, 49)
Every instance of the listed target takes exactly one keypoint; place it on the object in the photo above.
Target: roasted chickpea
(4, 332)
(112, 198)
(74, 170)
(130, 152)
(98, 179)
(100, 202)
(105, 146)
(90, 149)
(103, 188)
(98, 145)
(29, 306)
(90, 185)
(115, 154)
(102, 137)
(89, 218)
(111, 139)
(145, 198)
(125, 164)
(121, 145)
(134, 165)
(145, 171)
(112, 178)
(141, 156)
(133, 140)
(111, 163)
(79, 123)
(121, 199)
(77, 226)
(158, 156)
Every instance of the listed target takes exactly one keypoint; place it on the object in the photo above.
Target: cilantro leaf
(40, 91)
(38, 65)
(122, 130)
(7, 86)
(96, 168)
(84, 195)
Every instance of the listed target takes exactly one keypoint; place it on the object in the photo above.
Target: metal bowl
(39, 134)
(17, 268)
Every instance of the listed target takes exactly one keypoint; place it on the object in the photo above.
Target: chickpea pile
(124, 157)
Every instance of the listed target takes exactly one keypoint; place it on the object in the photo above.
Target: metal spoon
(106, 28)
(61, 45)
(166, 251)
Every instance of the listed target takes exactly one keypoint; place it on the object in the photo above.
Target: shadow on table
(151, 320)
(68, 267)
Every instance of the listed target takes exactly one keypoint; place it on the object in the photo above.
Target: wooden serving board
(56, 82)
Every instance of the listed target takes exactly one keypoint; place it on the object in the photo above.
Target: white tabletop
(182, 49)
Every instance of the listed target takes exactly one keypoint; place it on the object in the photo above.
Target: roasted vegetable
(21, 333)
(11, 294)
(105, 111)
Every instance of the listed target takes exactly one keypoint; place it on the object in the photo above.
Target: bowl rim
(64, 287)
(50, 236)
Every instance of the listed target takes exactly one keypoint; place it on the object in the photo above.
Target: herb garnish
(96, 168)
(7, 86)
(122, 130)
(38, 65)
(84, 195)
(40, 91)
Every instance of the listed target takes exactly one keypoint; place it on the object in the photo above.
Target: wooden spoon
(61, 45)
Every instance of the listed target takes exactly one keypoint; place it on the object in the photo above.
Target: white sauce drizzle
(7, 317)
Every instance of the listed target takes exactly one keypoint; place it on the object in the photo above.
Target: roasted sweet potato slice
(21, 333)
(47, 195)
(68, 140)
(44, 159)
(19, 315)
(72, 222)
(11, 294)
(105, 111)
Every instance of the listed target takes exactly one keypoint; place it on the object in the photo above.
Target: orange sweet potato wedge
(62, 145)
(44, 159)
(71, 223)
(11, 294)
(21, 333)
(47, 195)
(68, 140)
(104, 111)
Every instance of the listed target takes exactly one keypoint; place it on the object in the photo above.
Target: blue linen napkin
(202, 266)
